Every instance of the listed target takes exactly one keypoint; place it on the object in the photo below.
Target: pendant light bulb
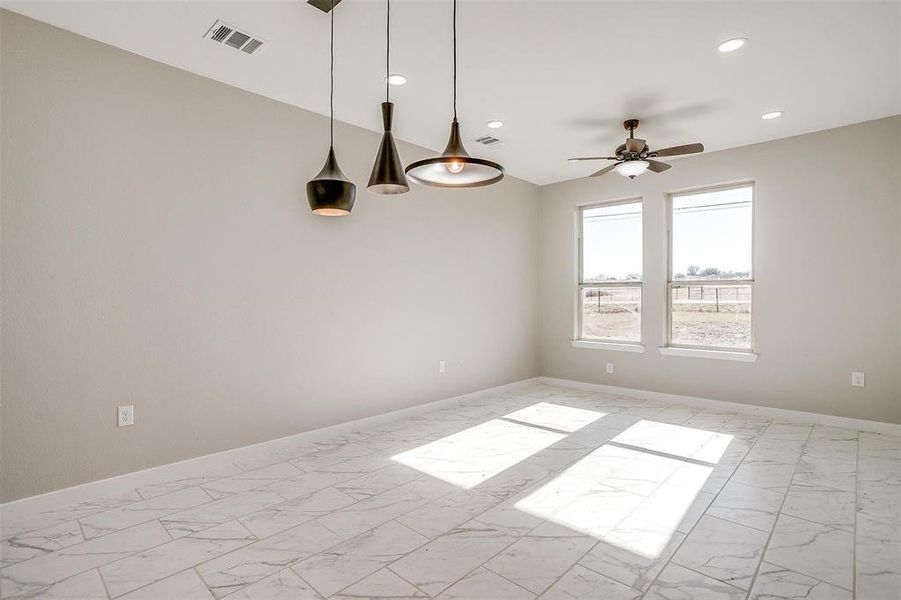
(330, 193)
(455, 168)
(388, 175)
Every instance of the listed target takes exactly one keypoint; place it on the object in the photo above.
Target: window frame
(671, 284)
(578, 341)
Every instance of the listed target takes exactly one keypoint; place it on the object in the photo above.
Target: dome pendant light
(330, 193)
(387, 175)
(455, 168)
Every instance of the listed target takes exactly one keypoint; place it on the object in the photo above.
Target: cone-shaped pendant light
(455, 168)
(330, 193)
(388, 172)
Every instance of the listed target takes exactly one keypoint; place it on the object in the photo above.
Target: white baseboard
(750, 409)
(187, 467)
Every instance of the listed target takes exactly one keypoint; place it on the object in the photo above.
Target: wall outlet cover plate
(126, 415)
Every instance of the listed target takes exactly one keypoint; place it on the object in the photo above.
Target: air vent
(487, 140)
(229, 35)
(221, 33)
(250, 46)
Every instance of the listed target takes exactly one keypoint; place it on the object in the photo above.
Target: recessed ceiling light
(494, 124)
(396, 79)
(773, 114)
(732, 45)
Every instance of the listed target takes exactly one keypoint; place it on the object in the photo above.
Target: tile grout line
(502, 576)
(103, 583)
(388, 566)
(769, 538)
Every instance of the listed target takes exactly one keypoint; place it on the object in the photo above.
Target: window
(609, 287)
(710, 283)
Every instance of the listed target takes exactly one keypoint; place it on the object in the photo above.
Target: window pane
(712, 235)
(611, 243)
(712, 315)
(612, 313)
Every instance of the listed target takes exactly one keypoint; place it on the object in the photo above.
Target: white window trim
(738, 356)
(601, 343)
(714, 352)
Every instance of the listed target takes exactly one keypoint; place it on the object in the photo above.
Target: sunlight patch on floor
(555, 416)
(471, 456)
(632, 493)
(674, 440)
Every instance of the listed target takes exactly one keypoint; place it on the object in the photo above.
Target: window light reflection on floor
(634, 492)
(675, 440)
(555, 416)
(469, 457)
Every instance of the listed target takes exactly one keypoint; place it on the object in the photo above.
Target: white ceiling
(561, 75)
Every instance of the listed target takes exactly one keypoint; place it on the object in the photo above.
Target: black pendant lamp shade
(330, 193)
(387, 175)
(388, 172)
(455, 168)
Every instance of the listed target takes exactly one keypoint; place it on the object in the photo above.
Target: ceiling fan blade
(581, 158)
(635, 145)
(677, 150)
(604, 171)
(657, 166)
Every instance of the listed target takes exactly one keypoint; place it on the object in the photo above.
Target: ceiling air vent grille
(221, 33)
(487, 140)
(229, 35)
(250, 46)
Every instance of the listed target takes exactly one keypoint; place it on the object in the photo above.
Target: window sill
(714, 354)
(617, 346)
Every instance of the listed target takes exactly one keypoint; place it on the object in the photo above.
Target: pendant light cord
(331, 99)
(388, 54)
(455, 60)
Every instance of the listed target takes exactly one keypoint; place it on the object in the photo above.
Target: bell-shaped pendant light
(455, 168)
(388, 172)
(330, 193)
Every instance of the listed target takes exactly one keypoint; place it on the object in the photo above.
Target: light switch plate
(858, 379)
(126, 415)
(609, 368)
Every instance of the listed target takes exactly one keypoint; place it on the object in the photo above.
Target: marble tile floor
(545, 492)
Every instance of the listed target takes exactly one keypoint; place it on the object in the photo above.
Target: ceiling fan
(634, 157)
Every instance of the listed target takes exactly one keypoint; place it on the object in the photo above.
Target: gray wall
(158, 250)
(826, 301)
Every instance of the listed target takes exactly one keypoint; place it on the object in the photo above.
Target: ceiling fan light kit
(632, 168)
(634, 157)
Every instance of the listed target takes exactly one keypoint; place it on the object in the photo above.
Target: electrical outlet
(126, 415)
(858, 379)
(441, 367)
(609, 368)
